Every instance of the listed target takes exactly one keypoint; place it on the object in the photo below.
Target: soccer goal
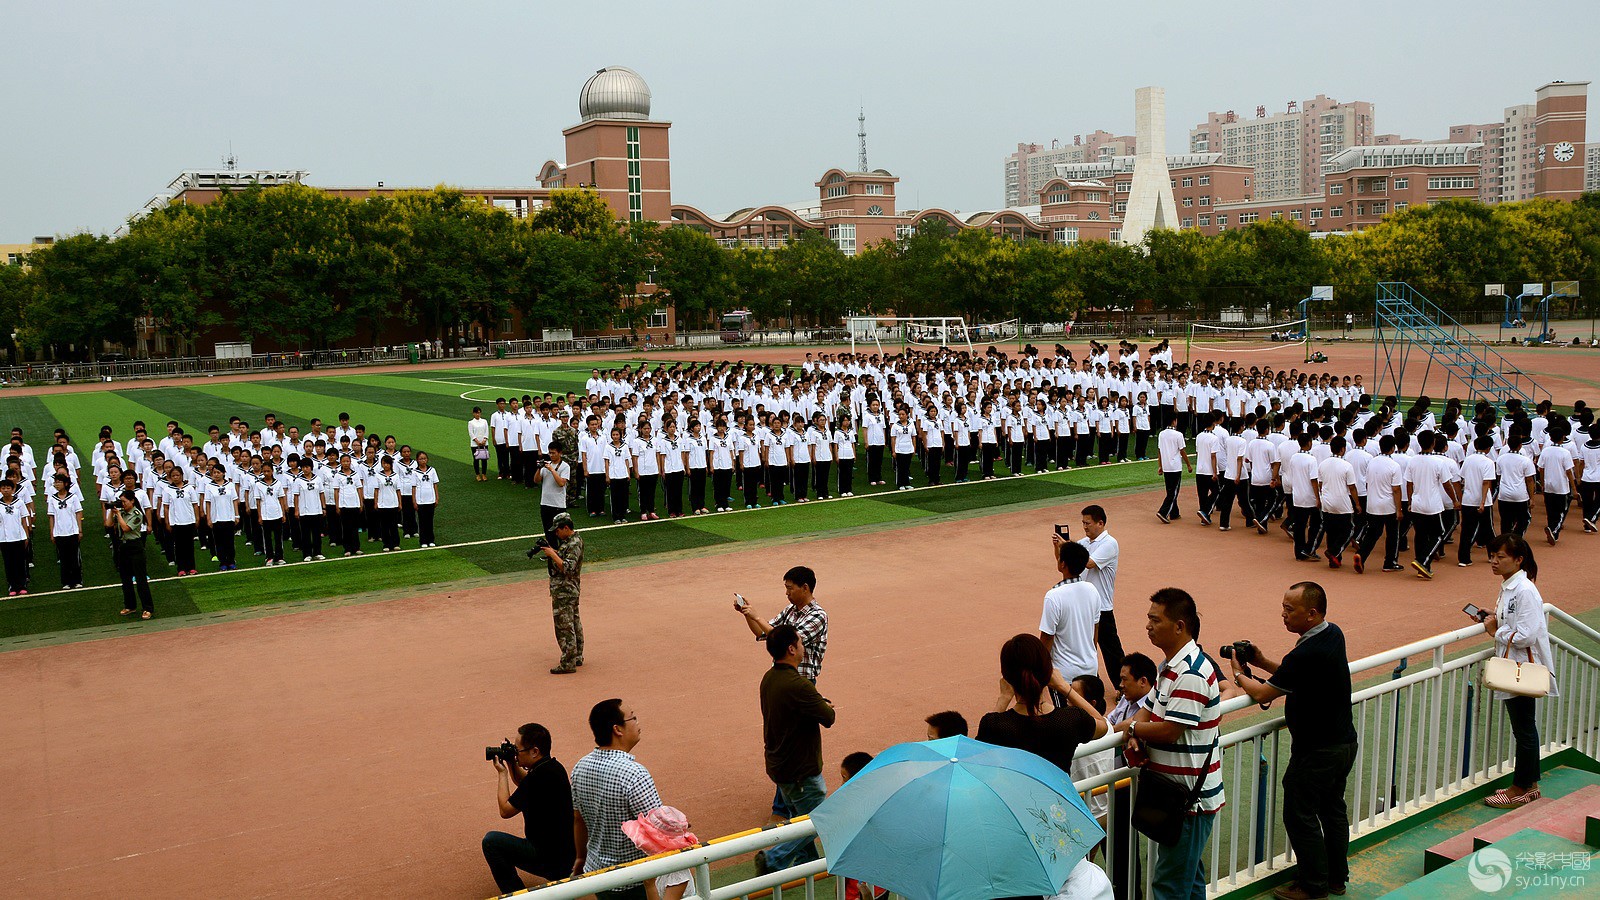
(907, 331)
(1226, 340)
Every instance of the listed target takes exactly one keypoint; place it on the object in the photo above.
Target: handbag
(1161, 803)
(1520, 679)
(480, 453)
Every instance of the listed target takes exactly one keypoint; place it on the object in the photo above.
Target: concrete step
(1565, 871)
(1565, 817)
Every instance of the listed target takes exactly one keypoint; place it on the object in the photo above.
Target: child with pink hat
(663, 830)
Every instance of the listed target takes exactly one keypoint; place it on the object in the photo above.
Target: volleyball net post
(1319, 293)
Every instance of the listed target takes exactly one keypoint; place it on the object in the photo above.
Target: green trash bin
(500, 352)
(411, 353)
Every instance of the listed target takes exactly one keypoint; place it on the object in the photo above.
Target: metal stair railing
(1417, 321)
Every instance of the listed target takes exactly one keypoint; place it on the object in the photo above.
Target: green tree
(454, 261)
(81, 299)
(692, 273)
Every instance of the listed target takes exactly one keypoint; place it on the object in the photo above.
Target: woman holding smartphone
(1521, 632)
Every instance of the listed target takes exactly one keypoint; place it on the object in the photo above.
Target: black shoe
(762, 867)
(563, 670)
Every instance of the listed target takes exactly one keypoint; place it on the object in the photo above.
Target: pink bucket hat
(660, 830)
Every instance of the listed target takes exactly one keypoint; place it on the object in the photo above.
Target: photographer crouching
(563, 553)
(1315, 676)
(543, 797)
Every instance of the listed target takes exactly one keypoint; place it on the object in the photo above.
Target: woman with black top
(1027, 718)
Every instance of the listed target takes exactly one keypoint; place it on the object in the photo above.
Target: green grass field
(482, 528)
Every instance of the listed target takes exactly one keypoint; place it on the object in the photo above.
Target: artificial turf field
(482, 528)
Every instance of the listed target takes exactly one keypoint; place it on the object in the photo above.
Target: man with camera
(1315, 675)
(553, 474)
(543, 797)
(563, 552)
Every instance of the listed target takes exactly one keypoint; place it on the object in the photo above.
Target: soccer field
(482, 528)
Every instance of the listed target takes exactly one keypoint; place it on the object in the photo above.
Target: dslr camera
(538, 547)
(1243, 651)
(506, 753)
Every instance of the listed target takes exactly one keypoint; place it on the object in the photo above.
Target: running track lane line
(525, 537)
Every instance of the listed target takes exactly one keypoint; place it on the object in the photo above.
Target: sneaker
(1393, 568)
(1204, 519)
(1464, 565)
(1550, 535)
(1261, 528)
(319, 557)
(1334, 562)
(1422, 571)
(1357, 563)
(564, 670)
(1225, 528)
(1164, 519)
(1588, 527)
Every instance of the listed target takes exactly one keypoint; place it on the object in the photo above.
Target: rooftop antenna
(230, 162)
(861, 135)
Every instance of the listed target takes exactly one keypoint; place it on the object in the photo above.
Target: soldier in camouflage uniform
(565, 560)
(565, 438)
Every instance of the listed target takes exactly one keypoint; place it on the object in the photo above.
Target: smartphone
(1473, 611)
(1065, 531)
(739, 601)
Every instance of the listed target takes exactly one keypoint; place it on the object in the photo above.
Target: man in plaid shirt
(803, 612)
(610, 787)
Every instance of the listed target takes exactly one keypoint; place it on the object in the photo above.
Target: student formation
(326, 491)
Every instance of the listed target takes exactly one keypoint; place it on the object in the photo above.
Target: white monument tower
(1150, 203)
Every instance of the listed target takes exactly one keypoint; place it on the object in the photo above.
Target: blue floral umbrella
(956, 819)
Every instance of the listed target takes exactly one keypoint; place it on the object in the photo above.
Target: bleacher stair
(1575, 817)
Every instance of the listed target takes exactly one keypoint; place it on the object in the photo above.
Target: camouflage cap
(561, 519)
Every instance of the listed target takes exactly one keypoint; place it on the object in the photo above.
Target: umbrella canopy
(956, 819)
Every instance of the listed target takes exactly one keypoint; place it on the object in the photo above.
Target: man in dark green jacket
(793, 715)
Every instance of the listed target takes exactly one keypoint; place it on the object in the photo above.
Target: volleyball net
(1227, 340)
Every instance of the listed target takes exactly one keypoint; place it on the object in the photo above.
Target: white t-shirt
(424, 482)
(1555, 463)
(550, 493)
(1071, 612)
(1297, 477)
(1171, 444)
(1103, 552)
(64, 514)
(1337, 477)
(1427, 479)
(1477, 469)
(1514, 470)
(1383, 475)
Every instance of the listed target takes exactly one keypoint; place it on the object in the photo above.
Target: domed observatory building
(616, 149)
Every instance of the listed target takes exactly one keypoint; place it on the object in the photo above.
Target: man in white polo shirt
(1477, 500)
(1071, 613)
(1300, 480)
(1101, 571)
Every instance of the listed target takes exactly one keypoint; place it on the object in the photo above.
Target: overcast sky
(106, 102)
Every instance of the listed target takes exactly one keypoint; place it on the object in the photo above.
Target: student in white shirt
(1172, 460)
(497, 433)
(647, 469)
(1517, 485)
(1300, 483)
(876, 428)
(1385, 484)
(820, 439)
(1477, 500)
(1556, 470)
(1588, 465)
(694, 449)
(222, 514)
(903, 437)
(1336, 480)
(347, 483)
(305, 497)
(844, 450)
(618, 461)
(16, 523)
(66, 531)
(270, 495)
(724, 452)
(478, 430)
(425, 495)
(387, 487)
(1430, 496)
(179, 503)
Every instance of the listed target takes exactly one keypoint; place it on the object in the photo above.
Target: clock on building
(1563, 151)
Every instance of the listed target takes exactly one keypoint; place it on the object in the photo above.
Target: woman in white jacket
(1521, 632)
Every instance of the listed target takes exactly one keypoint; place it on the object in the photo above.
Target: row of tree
(315, 270)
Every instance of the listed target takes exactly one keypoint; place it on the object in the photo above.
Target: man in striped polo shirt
(1176, 728)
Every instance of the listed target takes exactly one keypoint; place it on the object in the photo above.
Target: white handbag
(1521, 679)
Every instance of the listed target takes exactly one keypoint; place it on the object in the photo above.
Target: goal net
(1221, 341)
(906, 331)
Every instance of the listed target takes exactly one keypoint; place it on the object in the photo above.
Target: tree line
(318, 271)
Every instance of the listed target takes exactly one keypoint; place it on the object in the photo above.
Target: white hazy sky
(106, 102)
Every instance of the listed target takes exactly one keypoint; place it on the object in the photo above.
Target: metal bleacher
(1468, 366)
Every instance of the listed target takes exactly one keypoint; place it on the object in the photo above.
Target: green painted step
(1528, 863)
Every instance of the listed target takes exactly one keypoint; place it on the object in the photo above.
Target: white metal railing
(1426, 734)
